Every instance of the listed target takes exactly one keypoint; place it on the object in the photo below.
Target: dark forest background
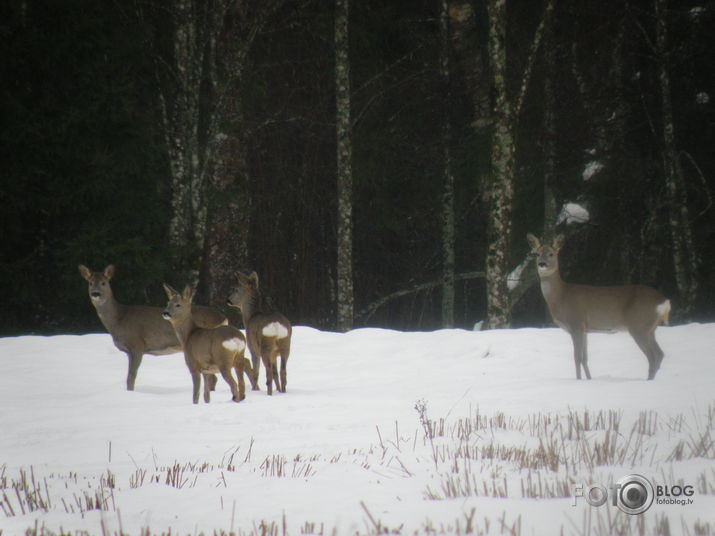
(96, 95)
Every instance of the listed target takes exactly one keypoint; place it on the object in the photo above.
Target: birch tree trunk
(685, 258)
(501, 188)
(345, 300)
(448, 234)
(198, 85)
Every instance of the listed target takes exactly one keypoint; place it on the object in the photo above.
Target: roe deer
(206, 351)
(579, 309)
(268, 334)
(138, 329)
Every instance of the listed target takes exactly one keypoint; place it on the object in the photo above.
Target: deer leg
(239, 365)
(284, 350)
(196, 381)
(576, 338)
(212, 381)
(255, 363)
(658, 352)
(276, 377)
(135, 359)
(656, 356)
(284, 374)
(274, 366)
(584, 356)
(269, 374)
(207, 387)
(248, 371)
(228, 377)
(644, 343)
(268, 354)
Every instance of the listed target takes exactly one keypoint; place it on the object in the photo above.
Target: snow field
(447, 431)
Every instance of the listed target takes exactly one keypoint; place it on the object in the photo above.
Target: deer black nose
(542, 265)
(95, 294)
(166, 315)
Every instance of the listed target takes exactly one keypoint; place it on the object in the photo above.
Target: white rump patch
(663, 309)
(235, 344)
(275, 329)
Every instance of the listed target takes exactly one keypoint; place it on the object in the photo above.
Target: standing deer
(268, 334)
(138, 329)
(206, 351)
(579, 309)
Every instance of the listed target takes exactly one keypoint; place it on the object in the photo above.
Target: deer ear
(109, 272)
(189, 292)
(254, 279)
(170, 292)
(534, 242)
(558, 242)
(84, 271)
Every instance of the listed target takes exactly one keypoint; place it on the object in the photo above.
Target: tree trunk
(685, 259)
(448, 232)
(345, 303)
(228, 194)
(226, 243)
(549, 127)
(198, 86)
(501, 189)
(472, 62)
(181, 109)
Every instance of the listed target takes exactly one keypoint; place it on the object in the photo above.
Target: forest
(377, 163)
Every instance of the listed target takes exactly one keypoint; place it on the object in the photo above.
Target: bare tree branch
(370, 310)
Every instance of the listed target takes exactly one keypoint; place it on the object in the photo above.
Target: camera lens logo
(634, 494)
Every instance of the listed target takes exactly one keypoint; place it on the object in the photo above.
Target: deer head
(547, 257)
(99, 289)
(246, 289)
(179, 306)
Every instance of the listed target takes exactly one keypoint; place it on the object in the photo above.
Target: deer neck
(552, 286)
(109, 312)
(250, 306)
(184, 328)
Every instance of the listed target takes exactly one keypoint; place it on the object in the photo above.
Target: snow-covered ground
(444, 432)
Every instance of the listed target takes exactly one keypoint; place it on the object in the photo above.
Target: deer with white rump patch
(579, 309)
(268, 334)
(138, 329)
(206, 351)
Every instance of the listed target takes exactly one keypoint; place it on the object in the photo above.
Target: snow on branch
(573, 213)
